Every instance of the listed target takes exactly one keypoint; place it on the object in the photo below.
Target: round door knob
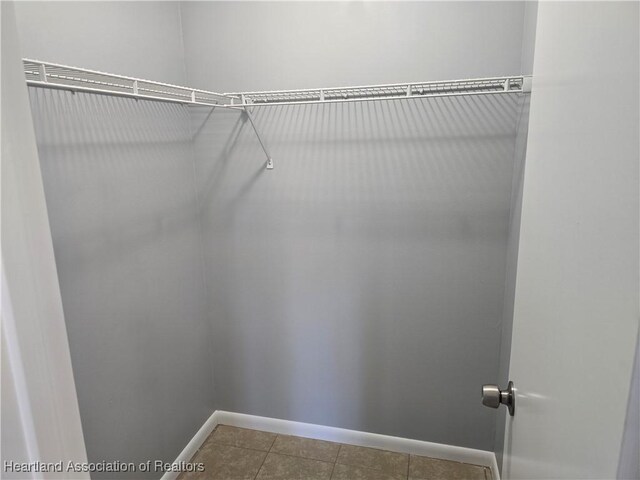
(492, 397)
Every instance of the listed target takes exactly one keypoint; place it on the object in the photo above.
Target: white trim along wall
(334, 434)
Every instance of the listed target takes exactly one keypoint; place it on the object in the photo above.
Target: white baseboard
(194, 444)
(338, 435)
(495, 471)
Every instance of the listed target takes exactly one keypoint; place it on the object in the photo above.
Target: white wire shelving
(397, 91)
(64, 77)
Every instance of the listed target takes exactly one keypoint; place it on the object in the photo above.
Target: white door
(577, 290)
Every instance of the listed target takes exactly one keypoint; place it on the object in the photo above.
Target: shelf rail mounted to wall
(63, 77)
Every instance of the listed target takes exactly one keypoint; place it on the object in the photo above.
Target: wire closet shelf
(52, 75)
(63, 77)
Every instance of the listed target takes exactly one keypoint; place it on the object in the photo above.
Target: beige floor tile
(349, 472)
(306, 448)
(391, 463)
(242, 437)
(224, 462)
(192, 476)
(284, 467)
(431, 468)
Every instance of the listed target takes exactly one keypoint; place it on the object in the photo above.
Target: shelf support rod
(43, 73)
(255, 129)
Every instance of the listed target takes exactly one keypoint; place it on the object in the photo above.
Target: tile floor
(232, 453)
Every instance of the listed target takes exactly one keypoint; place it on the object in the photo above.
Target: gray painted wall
(118, 177)
(243, 46)
(119, 182)
(137, 39)
(359, 284)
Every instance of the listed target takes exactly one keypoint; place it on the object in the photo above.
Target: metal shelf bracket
(247, 111)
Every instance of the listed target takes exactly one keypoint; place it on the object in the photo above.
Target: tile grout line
(273, 443)
(298, 456)
(333, 469)
(335, 462)
(265, 457)
(216, 442)
(261, 465)
(203, 444)
(488, 475)
(182, 475)
(238, 446)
